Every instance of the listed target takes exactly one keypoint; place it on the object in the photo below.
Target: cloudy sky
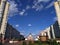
(31, 16)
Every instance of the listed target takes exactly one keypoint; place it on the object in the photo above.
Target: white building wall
(48, 33)
(4, 21)
(57, 8)
(2, 3)
(53, 34)
(4, 6)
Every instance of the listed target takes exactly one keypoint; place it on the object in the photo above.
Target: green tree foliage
(53, 42)
(24, 43)
(30, 43)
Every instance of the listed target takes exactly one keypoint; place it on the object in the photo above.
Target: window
(0, 1)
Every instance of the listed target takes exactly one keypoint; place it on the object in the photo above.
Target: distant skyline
(31, 16)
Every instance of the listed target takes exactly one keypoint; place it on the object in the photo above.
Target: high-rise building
(56, 29)
(6, 30)
(2, 3)
(57, 8)
(4, 18)
(4, 7)
(11, 32)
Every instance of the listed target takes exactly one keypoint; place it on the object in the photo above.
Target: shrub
(52, 42)
(24, 43)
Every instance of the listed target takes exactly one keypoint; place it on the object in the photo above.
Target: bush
(24, 43)
(30, 43)
(52, 42)
(37, 43)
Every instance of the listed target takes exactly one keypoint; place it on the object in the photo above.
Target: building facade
(4, 7)
(11, 32)
(52, 32)
(56, 29)
(57, 8)
(29, 37)
(6, 30)
(57, 23)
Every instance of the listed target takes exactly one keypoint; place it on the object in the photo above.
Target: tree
(54, 42)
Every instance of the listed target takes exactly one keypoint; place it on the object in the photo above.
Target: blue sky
(31, 16)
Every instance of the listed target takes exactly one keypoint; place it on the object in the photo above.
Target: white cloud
(29, 25)
(13, 8)
(27, 7)
(39, 7)
(33, 34)
(43, 0)
(50, 5)
(38, 1)
(33, 6)
(17, 25)
(22, 12)
(22, 32)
